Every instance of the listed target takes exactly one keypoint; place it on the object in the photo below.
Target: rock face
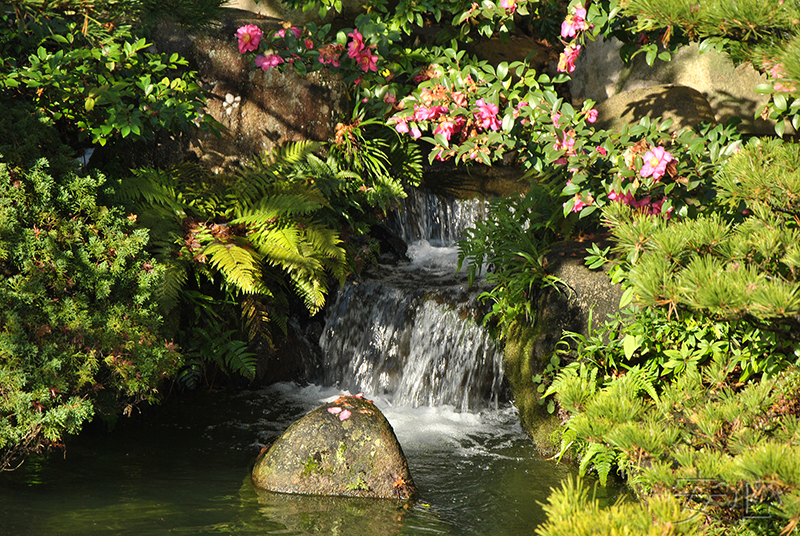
(344, 448)
(729, 89)
(684, 105)
(258, 110)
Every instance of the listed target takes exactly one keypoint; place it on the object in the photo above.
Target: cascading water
(409, 339)
(413, 333)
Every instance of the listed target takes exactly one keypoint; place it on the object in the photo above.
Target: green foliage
(80, 329)
(572, 512)
(256, 230)
(86, 66)
(510, 244)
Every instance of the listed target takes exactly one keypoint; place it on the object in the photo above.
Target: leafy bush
(88, 67)
(77, 306)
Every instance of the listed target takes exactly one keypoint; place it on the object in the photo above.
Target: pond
(183, 468)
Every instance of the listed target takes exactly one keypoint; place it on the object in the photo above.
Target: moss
(520, 367)
(311, 466)
(359, 484)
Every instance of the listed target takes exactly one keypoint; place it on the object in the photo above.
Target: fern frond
(239, 360)
(254, 181)
(169, 293)
(269, 208)
(239, 264)
(311, 289)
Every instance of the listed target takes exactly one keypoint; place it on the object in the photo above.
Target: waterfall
(438, 219)
(413, 333)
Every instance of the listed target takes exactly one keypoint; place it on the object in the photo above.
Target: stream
(409, 337)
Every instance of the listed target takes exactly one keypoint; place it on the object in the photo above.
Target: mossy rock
(344, 448)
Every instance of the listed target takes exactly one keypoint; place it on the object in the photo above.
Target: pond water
(183, 468)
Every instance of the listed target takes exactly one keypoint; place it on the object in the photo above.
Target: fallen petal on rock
(334, 410)
(344, 415)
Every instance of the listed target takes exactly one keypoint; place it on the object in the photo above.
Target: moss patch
(520, 367)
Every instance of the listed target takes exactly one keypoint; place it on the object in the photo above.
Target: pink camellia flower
(575, 22)
(602, 151)
(613, 196)
(402, 126)
(249, 37)
(509, 5)
(655, 163)
(425, 113)
(295, 31)
(367, 60)
(448, 127)
(415, 132)
(390, 99)
(566, 62)
(487, 115)
(268, 62)
(555, 118)
(580, 204)
(591, 115)
(355, 46)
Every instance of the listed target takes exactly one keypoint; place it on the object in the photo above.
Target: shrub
(80, 328)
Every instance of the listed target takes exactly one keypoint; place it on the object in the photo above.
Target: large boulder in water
(346, 447)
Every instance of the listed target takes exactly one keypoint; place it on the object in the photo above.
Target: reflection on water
(183, 468)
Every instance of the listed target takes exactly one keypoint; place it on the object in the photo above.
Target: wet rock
(582, 295)
(685, 106)
(344, 448)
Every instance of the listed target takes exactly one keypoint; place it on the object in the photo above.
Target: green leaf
(630, 344)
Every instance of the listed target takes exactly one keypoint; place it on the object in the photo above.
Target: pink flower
(249, 37)
(580, 204)
(282, 32)
(591, 115)
(555, 118)
(487, 115)
(367, 60)
(424, 113)
(355, 46)
(509, 5)
(309, 44)
(575, 22)
(390, 99)
(448, 127)
(566, 62)
(415, 132)
(602, 151)
(402, 126)
(268, 62)
(613, 196)
(655, 163)
(567, 143)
